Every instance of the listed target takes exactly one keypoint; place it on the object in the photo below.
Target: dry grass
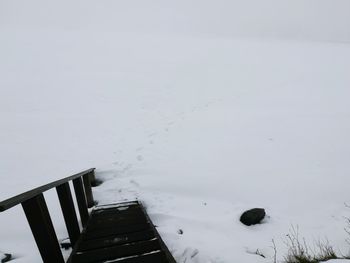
(300, 252)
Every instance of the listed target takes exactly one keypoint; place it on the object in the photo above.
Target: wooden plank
(148, 258)
(68, 210)
(115, 252)
(115, 214)
(43, 231)
(113, 231)
(117, 205)
(81, 200)
(120, 223)
(115, 240)
(112, 218)
(116, 211)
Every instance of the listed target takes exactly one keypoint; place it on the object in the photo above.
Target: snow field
(199, 126)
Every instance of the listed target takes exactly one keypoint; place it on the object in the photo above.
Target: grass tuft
(300, 252)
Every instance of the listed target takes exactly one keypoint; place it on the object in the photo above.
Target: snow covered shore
(198, 125)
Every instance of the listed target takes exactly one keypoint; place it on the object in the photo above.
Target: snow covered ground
(198, 110)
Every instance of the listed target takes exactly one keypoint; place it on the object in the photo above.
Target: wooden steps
(121, 233)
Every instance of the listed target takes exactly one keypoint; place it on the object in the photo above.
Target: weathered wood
(88, 190)
(81, 200)
(18, 199)
(94, 182)
(115, 230)
(122, 224)
(110, 253)
(113, 235)
(43, 231)
(117, 216)
(120, 233)
(158, 257)
(68, 210)
(115, 240)
(92, 178)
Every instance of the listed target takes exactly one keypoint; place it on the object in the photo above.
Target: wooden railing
(38, 216)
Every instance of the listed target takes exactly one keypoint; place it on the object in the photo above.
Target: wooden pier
(120, 233)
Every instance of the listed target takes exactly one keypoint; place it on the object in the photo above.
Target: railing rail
(18, 199)
(38, 216)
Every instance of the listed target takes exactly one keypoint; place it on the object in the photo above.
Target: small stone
(65, 244)
(253, 216)
(6, 258)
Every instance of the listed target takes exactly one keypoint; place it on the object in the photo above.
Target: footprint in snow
(127, 168)
(189, 254)
(152, 134)
(134, 183)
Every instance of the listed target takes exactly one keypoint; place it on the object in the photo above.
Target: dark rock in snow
(65, 243)
(253, 216)
(7, 258)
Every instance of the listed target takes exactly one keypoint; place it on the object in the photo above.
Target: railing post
(81, 200)
(68, 210)
(88, 190)
(92, 178)
(42, 228)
